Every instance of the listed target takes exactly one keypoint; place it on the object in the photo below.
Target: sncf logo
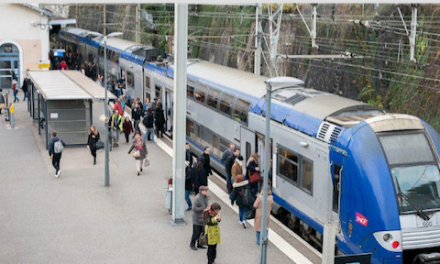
(360, 219)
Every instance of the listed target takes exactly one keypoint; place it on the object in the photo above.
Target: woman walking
(241, 194)
(127, 128)
(258, 205)
(213, 236)
(251, 168)
(91, 142)
(140, 153)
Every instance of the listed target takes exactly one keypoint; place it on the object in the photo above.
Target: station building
(24, 39)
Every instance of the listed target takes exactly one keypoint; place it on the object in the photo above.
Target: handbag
(203, 240)
(99, 145)
(251, 213)
(146, 163)
(136, 154)
(254, 177)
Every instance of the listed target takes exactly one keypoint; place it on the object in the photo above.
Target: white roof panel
(54, 85)
(121, 44)
(240, 80)
(91, 87)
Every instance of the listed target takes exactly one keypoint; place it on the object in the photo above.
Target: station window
(226, 104)
(201, 93)
(241, 111)
(190, 91)
(306, 175)
(213, 96)
(130, 79)
(288, 165)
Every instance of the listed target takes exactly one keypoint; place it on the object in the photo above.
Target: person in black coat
(188, 184)
(136, 113)
(188, 156)
(207, 160)
(199, 175)
(228, 166)
(25, 87)
(148, 122)
(160, 120)
(91, 142)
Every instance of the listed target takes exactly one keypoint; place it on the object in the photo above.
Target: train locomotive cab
(390, 199)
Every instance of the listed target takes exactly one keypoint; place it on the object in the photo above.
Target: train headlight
(387, 237)
(389, 240)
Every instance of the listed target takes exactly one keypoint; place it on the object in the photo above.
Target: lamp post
(111, 35)
(271, 85)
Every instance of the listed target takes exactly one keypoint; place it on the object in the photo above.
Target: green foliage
(369, 95)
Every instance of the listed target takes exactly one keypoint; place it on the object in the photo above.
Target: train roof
(120, 44)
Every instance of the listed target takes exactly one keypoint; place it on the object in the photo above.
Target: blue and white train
(372, 174)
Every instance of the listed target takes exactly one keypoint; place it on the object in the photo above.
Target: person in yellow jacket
(212, 218)
(115, 123)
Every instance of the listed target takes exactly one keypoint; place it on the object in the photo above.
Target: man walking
(228, 167)
(199, 205)
(25, 87)
(149, 125)
(56, 147)
(136, 114)
(207, 160)
(116, 125)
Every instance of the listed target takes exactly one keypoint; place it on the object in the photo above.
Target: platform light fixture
(105, 117)
(271, 86)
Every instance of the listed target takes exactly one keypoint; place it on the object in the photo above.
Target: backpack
(58, 147)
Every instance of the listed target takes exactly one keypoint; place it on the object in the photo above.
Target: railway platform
(75, 219)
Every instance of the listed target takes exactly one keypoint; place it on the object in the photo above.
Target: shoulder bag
(136, 154)
(254, 177)
(250, 213)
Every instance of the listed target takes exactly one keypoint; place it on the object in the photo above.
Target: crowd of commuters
(243, 182)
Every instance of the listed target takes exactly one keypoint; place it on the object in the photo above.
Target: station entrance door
(9, 61)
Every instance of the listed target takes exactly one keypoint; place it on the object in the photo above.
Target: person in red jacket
(63, 65)
(118, 107)
(128, 129)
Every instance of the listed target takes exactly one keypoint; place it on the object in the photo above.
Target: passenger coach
(373, 174)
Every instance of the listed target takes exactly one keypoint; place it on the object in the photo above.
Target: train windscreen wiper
(419, 211)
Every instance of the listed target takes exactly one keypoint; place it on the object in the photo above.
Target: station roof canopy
(67, 85)
(91, 87)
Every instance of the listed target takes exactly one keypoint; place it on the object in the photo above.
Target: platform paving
(75, 219)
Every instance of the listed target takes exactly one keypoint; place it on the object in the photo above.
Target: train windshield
(414, 170)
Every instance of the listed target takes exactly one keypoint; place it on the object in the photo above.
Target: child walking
(128, 129)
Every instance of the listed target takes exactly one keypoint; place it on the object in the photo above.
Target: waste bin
(169, 199)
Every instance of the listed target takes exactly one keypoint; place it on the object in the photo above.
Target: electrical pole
(258, 32)
(313, 33)
(105, 21)
(412, 36)
(179, 110)
(138, 23)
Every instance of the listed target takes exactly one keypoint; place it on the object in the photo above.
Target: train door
(247, 143)
(261, 149)
(168, 108)
(336, 168)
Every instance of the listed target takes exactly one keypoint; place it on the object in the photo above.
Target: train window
(190, 129)
(336, 186)
(288, 165)
(147, 82)
(190, 91)
(116, 57)
(226, 104)
(206, 137)
(224, 144)
(213, 96)
(215, 145)
(241, 111)
(130, 79)
(201, 93)
(399, 148)
(307, 175)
